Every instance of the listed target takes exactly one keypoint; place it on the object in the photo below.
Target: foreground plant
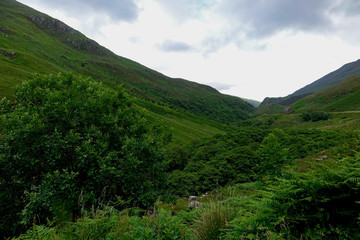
(68, 144)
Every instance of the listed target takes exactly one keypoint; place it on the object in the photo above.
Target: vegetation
(68, 144)
(118, 158)
(72, 149)
(315, 116)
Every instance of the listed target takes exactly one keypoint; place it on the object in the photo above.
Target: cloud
(259, 18)
(250, 24)
(183, 10)
(174, 46)
(348, 7)
(118, 10)
(220, 86)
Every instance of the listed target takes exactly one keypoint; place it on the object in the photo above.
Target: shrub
(315, 116)
(66, 138)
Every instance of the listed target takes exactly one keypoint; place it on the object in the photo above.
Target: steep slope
(32, 42)
(329, 80)
(344, 96)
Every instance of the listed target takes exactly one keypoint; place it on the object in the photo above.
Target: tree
(272, 156)
(68, 143)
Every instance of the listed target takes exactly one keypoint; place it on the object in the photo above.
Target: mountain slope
(344, 96)
(329, 80)
(32, 42)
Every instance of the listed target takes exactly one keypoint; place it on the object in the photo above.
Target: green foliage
(247, 155)
(68, 144)
(116, 225)
(315, 116)
(272, 156)
(318, 204)
(218, 161)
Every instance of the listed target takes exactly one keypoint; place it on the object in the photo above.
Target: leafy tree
(70, 143)
(272, 156)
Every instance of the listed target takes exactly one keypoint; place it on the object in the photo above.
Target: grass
(343, 121)
(184, 126)
(342, 97)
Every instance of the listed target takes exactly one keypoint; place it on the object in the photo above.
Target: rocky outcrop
(7, 54)
(70, 36)
(51, 24)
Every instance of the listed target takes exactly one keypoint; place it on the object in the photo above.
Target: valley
(97, 146)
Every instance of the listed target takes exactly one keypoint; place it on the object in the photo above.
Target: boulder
(192, 198)
(194, 204)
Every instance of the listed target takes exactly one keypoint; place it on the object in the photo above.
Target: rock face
(194, 204)
(52, 24)
(70, 36)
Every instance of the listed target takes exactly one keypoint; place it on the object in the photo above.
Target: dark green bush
(315, 116)
(69, 143)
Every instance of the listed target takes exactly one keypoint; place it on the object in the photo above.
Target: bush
(69, 143)
(315, 116)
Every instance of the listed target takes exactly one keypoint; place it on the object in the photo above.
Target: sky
(247, 48)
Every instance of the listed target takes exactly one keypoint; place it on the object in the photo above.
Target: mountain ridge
(329, 80)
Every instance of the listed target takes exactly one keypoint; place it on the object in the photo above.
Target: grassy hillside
(332, 79)
(339, 121)
(342, 97)
(32, 42)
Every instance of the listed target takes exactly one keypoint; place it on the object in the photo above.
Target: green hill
(329, 80)
(342, 97)
(32, 42)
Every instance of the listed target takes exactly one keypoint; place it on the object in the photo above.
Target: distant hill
(254, 103)
(32, 42)
(329, 80)
(344, 96)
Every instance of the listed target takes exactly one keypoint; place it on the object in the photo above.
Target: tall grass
(213, 218)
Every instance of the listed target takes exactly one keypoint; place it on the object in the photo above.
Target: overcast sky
(247, 48)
